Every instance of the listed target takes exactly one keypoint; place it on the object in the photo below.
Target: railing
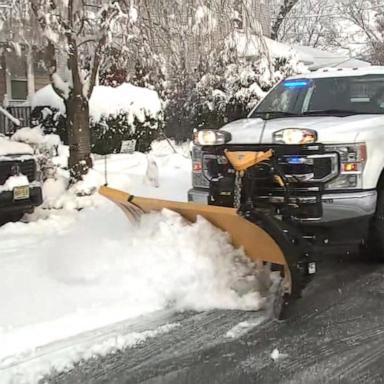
(21, 113)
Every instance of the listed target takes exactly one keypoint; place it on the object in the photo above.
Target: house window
(17, 84)
(19, 89)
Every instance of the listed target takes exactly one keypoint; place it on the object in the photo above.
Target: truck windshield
(333, 96)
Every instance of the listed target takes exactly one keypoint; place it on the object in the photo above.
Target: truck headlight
(211, 137)
(352, 162)
(295, 136)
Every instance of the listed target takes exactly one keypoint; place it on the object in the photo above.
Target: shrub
(109, 133)
(51, 120)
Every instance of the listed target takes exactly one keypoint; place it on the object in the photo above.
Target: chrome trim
(347, 206)
(303, 159)
(207, 156)
(334, 167)
(293, 200)
(304, 177)
(335, 206)
(309, 177)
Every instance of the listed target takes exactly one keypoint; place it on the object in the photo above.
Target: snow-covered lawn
(67, 272)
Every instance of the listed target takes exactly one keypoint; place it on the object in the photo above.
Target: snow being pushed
(162, 261)
(109, 102)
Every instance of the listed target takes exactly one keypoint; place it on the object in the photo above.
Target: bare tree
(285, 8)
(76, 33)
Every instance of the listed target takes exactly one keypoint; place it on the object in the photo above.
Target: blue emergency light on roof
(296, 83)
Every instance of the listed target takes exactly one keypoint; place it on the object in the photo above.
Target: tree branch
(285, 8)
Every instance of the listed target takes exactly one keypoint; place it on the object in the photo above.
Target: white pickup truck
(327, 131)
(20, 187)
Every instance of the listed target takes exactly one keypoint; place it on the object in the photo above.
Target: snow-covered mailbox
(118, 114)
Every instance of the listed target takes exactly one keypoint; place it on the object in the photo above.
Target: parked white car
(327, 131)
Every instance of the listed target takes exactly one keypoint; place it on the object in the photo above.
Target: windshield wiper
(333, 112)
(267, 115)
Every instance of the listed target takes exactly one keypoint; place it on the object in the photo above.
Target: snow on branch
(9, 116)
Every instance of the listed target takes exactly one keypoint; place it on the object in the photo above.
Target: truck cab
(326, 129)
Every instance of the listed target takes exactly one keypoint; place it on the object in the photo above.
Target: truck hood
(330, 129)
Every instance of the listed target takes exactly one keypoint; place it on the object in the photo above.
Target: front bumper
(335, 206)
(8, 204)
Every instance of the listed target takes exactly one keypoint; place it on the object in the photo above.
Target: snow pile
(124, 171)
(135, 101)
(108, 101)
(13, 182)
(160, 258)
(45, 146)
(77, 274)
(53, 189)
(8, 147)
(63, 359)
(69, 272)
(32, 136)
(46, 96)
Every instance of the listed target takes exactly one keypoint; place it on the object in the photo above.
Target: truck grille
(198, 178)
(310, 168)
(302, 165)
(27, 168)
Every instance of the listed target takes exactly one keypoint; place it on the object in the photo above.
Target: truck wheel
(375, 242)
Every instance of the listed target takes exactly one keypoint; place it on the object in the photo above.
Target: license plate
(21, 193)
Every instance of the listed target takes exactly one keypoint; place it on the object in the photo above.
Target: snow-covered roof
(249, 45)
(8, 147)
(342, 72)
(108, 101)
(318, 58)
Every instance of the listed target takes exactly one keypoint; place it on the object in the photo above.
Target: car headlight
(211, 137)
(295, 136)
(353, 158)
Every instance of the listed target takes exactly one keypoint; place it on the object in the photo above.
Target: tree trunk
(79, 161)
(285, 8)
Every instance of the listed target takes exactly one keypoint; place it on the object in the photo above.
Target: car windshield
(334, 96)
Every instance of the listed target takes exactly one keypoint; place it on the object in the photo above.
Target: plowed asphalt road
(335, 334)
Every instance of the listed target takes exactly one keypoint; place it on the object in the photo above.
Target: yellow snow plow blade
(257, 243)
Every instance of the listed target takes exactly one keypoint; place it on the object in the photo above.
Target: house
(21, 74)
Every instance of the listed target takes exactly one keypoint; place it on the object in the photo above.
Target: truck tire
(375, 242)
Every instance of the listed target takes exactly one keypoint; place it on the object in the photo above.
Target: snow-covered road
(67, 272)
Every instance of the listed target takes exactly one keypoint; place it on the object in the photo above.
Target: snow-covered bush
(51, 120)
(45, 148)
(109, 132)
(232, 86)
(117, 113)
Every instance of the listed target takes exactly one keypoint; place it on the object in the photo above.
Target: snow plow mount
(267, 237)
